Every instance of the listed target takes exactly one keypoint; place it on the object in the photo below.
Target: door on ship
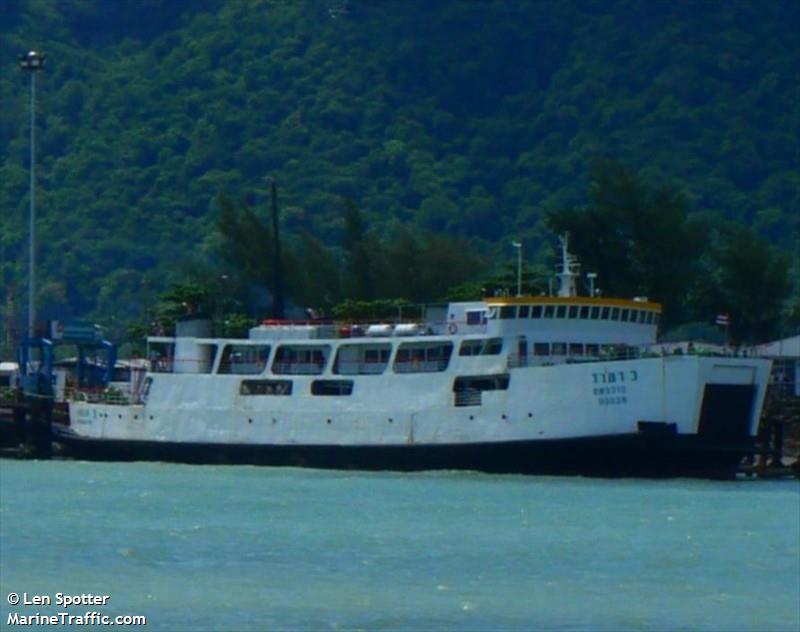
(522, 351)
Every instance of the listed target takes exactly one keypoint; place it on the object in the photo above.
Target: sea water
(245, 548)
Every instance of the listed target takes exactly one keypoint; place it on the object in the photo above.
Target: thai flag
(723, 319)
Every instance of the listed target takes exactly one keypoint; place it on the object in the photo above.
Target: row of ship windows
(575, 312)
(467, 388)
(350, 359)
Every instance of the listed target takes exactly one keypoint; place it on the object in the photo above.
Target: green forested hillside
(471, 118)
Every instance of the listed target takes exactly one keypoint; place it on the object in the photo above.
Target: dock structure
(778, 442)
(26, 425)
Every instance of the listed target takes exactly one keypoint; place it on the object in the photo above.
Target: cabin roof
(499, 301)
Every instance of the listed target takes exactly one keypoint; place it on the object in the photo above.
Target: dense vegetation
(478, 120)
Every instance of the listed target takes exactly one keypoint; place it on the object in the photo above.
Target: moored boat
(563, 384)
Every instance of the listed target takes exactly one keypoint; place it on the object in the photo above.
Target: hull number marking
(611, 387)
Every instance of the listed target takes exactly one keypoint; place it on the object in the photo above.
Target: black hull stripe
(623, 455)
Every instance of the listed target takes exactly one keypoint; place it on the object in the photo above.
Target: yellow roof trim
(500, 301)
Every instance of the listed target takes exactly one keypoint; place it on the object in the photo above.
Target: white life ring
(452, 328)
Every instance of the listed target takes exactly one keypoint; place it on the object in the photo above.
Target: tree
(640, 241)
(246, 241)
(359, 247)
(751, 283)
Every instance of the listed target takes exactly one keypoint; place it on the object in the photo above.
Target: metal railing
(468, 398)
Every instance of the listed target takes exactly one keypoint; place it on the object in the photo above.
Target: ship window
(549, 310)
(497, 382)
(561, 312)
(615, 313)
(493, 346)
(524, 310)
(595, 312)
(584, 311)
(483, 346)
(536, 312)
(656, 318)
(265, 387)
(332, 387)
(300, 359)
(161, 355)
(362, 359)
(243, 359)
(604, 315)
(476, 317)
(470, 348)
(541, 349)
(624, 315)
(592, 350)
(573, 311)
(649, 320)
(508, 311)
(422, 357)
(575, 348)
(559, 348)
(467, 390)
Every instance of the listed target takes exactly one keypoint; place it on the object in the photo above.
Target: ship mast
(568, 270)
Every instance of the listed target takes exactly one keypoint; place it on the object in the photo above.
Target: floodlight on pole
(518, 246)
(32, 62)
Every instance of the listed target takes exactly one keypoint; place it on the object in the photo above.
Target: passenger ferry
(562, 384)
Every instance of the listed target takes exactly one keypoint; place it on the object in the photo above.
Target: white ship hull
(658, 416)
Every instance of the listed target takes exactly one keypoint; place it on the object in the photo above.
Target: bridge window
(575, 348)
(592, 350)
(559, 348)
(595, 312)
(615, 313)
(536, 312)
(561, 312)
(573, 311)
(549, 311)
(508, 311)
(624, 315)
(584, 312)
(476, 317)
(524, 310)
(605, 314)
(541, 349)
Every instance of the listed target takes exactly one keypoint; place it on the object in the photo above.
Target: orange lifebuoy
(452, 328)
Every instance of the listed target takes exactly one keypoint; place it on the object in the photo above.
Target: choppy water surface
(242, 548)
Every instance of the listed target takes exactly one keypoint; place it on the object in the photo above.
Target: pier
(26, 425)
(778, 441)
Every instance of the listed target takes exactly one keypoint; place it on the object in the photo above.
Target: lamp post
(32, 62)
(591, 276)
(518, 246)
